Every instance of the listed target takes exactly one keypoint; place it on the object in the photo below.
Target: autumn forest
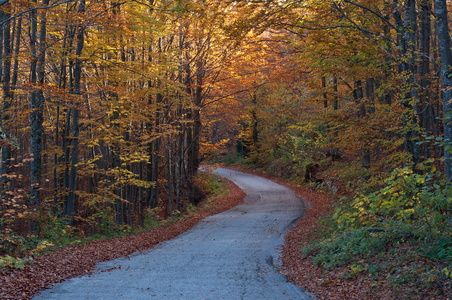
(109, 108)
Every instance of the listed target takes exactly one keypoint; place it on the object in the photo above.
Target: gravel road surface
(231, 255)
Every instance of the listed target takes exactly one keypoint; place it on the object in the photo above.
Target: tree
(5, 51)
(37, 101)
(445, 44)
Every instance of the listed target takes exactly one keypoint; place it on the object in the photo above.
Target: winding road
(231, 255)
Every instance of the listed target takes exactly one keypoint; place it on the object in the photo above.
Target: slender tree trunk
(170, 179)
(61, 79)
(34, 118)
(7, 94)
(3, 17)
(16, 52)
(411, 24)
(360, 101)
(75, 119)
(196, 114)
(445, 44)
(254, 122)
(387, 98)
(406, 40)
(358, 95)
(335, 89)
(366, 151)
(37, 103)
(141, 202)
(325, 101)
(152, 196)
(425, 97)
(197, 124)
(66, 149)
(180, 159)
(74, 161)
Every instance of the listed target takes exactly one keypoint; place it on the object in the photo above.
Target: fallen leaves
(300, 271)
(78, 260)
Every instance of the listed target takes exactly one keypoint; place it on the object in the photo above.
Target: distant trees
(108, 106)
(102, 108)
(363, 79)
(373, 67)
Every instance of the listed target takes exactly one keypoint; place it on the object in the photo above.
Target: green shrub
(344, 248)
(413, 199)
(14, 262)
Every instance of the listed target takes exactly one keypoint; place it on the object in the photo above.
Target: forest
(109, 108)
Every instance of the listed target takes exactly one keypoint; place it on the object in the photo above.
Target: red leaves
(78, 260)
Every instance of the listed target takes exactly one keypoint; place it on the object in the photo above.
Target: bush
(344, 248)
(412, 199)
(401, 232)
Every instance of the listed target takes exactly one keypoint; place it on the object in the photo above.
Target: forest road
(231, 255)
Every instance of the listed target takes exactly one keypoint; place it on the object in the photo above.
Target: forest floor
(312, 278)
(77, 260)
(336, 283)
(300, 271)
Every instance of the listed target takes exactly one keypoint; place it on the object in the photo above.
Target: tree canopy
(109, 107)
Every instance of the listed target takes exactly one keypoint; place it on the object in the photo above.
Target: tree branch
(373, 12)
(33, 9)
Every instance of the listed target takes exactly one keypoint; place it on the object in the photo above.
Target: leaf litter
(78, 260)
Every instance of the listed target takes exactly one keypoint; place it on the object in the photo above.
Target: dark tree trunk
(197, 126)
(335, 100)
(37, 103)
(35, 142)
(66, 148)
(358, 95)
(424, 70)
(6, 52)
(254, 122)
(153, 172)
(445, 44)
(75, 119)
(325, 101)
(406, 40)
(360, 101)
(16, 51)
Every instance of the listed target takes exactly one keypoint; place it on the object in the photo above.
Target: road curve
(231, 255)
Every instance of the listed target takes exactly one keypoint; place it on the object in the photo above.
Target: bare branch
(33, 9)
(373, 12)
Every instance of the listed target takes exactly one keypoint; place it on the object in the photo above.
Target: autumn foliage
(101, 118)
(109, 107)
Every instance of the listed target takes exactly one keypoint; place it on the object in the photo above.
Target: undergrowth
(16, 250)
(396, 233)
(400, 235)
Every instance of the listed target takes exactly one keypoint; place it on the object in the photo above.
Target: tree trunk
(445, 44)
(325, 99)
(406, 40)
(37, 103)
(424, 70)
(16, 51)
(5, 76)
(170, 179)
(152, 196)
(75, 119)
(66, 149)
(254, 122)
(335, 89)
